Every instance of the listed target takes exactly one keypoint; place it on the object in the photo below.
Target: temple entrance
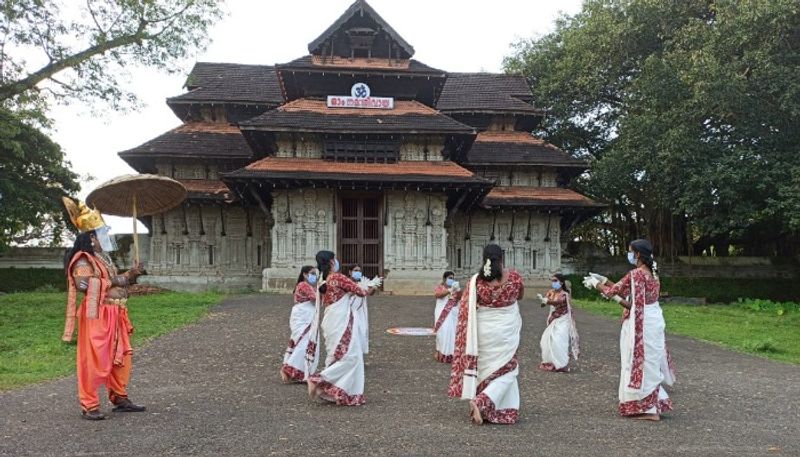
(360, 232)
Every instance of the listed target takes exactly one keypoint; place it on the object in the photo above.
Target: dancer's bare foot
(648, 417)
(312, 390)
(284, 377)
(475, 413)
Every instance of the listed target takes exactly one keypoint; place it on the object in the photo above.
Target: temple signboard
(360, 97)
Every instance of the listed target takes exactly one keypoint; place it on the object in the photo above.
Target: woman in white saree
(294, 359)
(342, 380)
(445, 317)
(560, 338)
(485, 366)
(646, 363)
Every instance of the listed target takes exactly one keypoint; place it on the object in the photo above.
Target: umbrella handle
(135, 234)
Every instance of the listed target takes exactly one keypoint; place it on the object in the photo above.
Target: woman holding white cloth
(294, 359)
(485, 366)
(342, 380)
(646, 363)
(560, 338)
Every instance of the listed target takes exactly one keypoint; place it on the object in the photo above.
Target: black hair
(324, 266)
(563, 280)
(645, 250)
(83, 243)
(494, 254)
(446, 274)
(303, 271)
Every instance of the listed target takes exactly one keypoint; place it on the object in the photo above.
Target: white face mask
(107, 242)
(631, 258)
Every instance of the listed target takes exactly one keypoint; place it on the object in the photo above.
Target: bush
(28, 279)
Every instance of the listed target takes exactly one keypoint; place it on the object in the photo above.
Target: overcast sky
(452, 35)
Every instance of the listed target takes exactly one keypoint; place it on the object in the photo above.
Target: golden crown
(84, 219)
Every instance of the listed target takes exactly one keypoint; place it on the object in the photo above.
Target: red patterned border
(337, 393)
(510, 366)
(637, 407)
(496, 416)
(443, 358)
(293, 373)
(445, 312)
(344, 342)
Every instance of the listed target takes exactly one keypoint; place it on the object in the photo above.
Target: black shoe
(93, 415)
(127, 406)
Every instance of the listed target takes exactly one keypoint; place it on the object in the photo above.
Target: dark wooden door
(360, 233)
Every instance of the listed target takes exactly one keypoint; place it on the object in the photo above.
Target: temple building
(399, 167)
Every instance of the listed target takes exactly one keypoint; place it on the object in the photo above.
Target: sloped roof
(207, 189)
(196, 139)
(359, 7)
(467, 92)
(360, 64)
(231, 82)
(538, 196)
(314, 115)
(517, 148)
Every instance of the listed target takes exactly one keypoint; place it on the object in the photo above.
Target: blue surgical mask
(357, 275)
(336, 265)
(631, 258)
(312, 279)
(450, 282)
(556, 285)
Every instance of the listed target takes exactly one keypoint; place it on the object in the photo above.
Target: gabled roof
(232, 83)
(207, 189)
(314, 116)
(359, 7)
(358, 64)
(199, 140)
(486, 92)
(518, 148)
(538, 196)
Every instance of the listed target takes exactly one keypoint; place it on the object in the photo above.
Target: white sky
(452, 35)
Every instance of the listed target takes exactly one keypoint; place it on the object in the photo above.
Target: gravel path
(213, 389)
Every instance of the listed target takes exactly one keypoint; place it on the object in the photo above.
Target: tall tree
(62, 52)
(689, 113)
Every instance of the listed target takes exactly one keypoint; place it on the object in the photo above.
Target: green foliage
(714, 290)
(29, 279)
(740, 327)
(688, 111)
(31, 325)
(33, 177)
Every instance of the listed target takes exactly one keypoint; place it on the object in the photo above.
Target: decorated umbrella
(137, 195)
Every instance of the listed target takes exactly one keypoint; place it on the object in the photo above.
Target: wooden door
(360, 233)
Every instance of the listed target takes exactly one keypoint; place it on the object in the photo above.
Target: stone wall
(535, 258)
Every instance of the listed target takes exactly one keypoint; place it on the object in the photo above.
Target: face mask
(336, 265)
(312, 279)
(107, 242)
(631, 258)
(556, 285)
(450, 282)
(357, 275)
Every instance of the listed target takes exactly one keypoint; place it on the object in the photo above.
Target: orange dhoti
(104, 354)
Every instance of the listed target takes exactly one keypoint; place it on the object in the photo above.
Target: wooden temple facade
(402, 168)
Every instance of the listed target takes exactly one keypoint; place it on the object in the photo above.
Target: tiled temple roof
(314, 115)
(360, 64)
(207, 189)
(231, 83)
(196, 139)
(517, 148)
(538, 196)
(485, 92)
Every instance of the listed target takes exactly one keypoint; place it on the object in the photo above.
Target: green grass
(760, 327)
(31, 325)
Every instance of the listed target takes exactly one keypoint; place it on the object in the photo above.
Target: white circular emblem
(360, 90)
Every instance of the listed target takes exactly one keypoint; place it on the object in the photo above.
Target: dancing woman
(360, 308)
(342, 380)
(445, 317)
(560, 338)
(485, 366)
(294, 359)
(643, 352)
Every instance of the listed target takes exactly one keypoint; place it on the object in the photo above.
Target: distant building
(357, 148)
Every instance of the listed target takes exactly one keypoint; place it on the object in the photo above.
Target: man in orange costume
(104, 346)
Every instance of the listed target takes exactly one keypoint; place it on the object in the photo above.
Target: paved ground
(213, 389)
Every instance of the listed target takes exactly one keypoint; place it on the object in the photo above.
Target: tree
(688, 112)
(57, 51)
